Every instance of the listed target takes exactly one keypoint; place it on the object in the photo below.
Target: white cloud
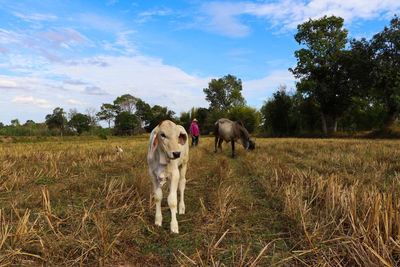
(35, 17)
(42, 103)
(27, 84)
(8, 84)
(101, 23)
(75, 102)
(156, 12)
(94, 90)
(257, 91)
(112, 2)
(122, 45)
(50, 56)
(292, 12)
(24, 63)
(63, 37)
(50, 44)
(227, 17)
(124, 41)
(144, 77)
(100, 79)
(224, 18)
(10, 37)
(147, 15)
(73, 82)
(4, 50)
(97, 61)
(56, 87)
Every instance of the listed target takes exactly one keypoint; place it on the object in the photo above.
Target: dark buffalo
(232, 131)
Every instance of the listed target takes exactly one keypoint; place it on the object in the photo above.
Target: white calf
(167, 157)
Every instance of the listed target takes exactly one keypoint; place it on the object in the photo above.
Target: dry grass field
(291, 202)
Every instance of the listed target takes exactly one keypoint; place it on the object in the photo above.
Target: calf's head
(169, 138)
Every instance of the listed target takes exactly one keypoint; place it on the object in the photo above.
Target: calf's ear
(153, 144)
(182, 138)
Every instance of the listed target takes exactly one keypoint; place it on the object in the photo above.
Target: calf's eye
(163, 135)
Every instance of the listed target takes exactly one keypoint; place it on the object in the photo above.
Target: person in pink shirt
(194, 132)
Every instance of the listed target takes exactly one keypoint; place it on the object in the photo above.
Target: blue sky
(80, 54)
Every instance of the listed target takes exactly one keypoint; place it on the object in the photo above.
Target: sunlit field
(291, 202)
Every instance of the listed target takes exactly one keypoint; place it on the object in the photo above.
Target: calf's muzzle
(176, 154)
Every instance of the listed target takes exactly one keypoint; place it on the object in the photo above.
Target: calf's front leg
(172, 200)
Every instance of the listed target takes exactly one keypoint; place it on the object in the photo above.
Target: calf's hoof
(158, 221)
(182, 209)
(174, 228)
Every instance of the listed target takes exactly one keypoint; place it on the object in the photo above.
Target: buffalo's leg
(220, 144)
(233, 148)
(216, 141)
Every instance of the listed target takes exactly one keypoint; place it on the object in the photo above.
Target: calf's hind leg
(157, 198)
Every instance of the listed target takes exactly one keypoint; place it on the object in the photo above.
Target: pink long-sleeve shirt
(194, 129)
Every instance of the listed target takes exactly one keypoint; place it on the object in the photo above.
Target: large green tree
(306, 114)
(276, 113)
(202, 115)
(126, 103)
(126, 123)
(158, 114)
(15, 123)
(321, 66)
(30, 125)
(93, 119)
(143, 112)
(79, 122)
(249, 116)
(360, 67)
(107, 113)
(363, 115)
(224, 93)
(57, 120)
(385, 47)
(133, 105)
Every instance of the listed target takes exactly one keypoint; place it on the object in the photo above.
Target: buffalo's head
(252, 145)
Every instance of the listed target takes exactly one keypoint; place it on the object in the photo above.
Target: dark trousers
(195, 140)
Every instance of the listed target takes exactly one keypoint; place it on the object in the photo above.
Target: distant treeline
(343, 85)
